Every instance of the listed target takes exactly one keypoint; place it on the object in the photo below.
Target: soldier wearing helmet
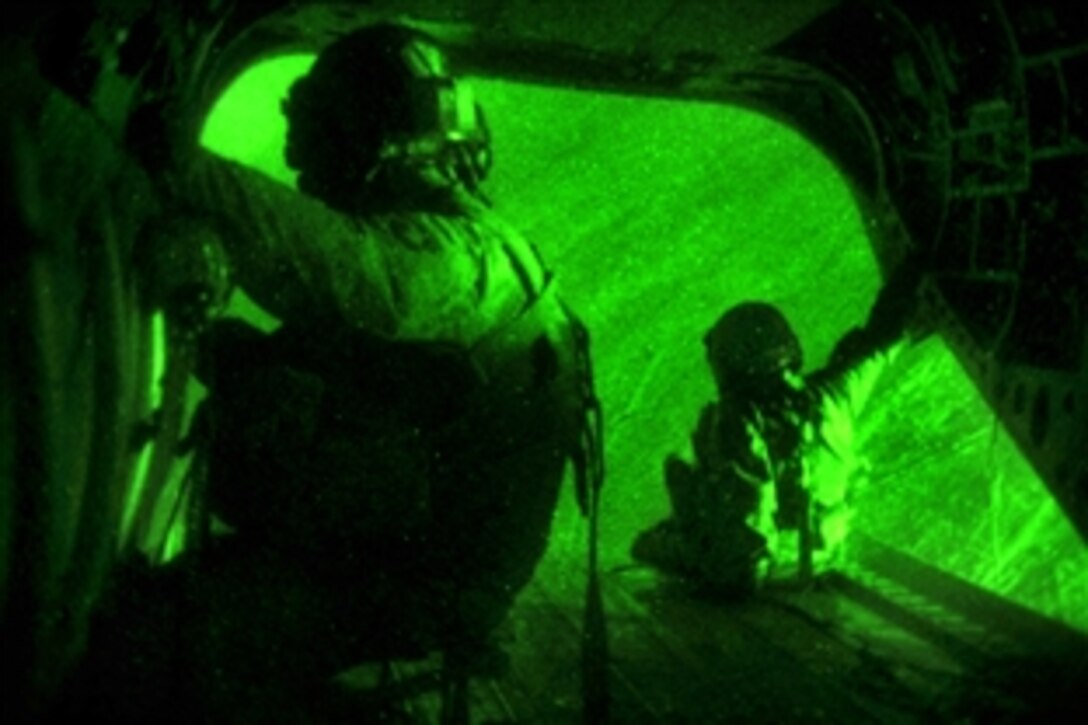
(767, 494)
(380, 123)
(390, 458)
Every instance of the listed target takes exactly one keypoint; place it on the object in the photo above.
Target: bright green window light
(246, 124)
(154, 397)
(950, 487)
(657, 215)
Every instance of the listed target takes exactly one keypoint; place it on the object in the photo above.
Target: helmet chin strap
(439, 160)
(436, 167)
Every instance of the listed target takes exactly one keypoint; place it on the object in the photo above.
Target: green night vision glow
(656, 216)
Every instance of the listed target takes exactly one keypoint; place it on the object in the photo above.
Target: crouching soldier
(767, 494)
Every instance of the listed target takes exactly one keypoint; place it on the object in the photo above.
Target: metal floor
(890, 641)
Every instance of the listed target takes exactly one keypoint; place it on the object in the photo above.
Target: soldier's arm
(864, 352)
(291, 254)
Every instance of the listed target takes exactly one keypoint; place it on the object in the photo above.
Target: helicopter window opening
(659, 214)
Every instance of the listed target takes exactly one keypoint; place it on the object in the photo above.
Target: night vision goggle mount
(448, 128)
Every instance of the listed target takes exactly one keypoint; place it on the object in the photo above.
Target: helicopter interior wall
(947, 485)
(656, 216)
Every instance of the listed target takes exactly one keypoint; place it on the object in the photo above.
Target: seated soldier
(768, 492)
(390, 458)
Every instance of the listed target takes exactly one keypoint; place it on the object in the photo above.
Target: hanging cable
(588, 458)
